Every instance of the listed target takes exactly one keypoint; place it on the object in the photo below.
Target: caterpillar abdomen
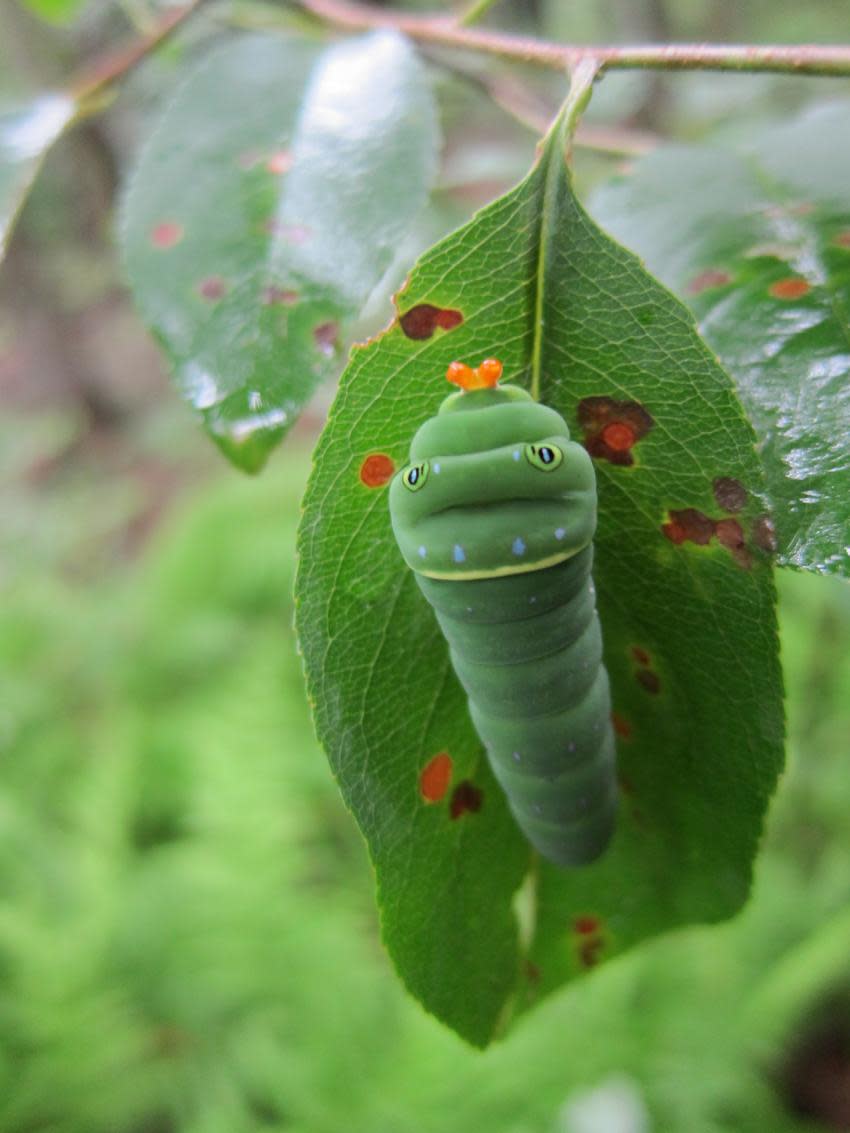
(539, 699)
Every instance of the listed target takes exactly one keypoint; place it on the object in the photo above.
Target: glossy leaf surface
(264, 210)
(756, 239)
(687, 609)
(26, 134)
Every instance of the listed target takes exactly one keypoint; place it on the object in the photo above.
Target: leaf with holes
(685, 596)
(264, 210)
(26, 134)
(756, 238)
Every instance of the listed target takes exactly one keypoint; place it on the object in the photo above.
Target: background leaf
(265, 209)
(756, 238)
(685, 595)
(26, 134)
(55, 11)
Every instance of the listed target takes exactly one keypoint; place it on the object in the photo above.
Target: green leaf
(756, 238)
(55, 11)
(690, 631)
(26, 134)
(264, 210)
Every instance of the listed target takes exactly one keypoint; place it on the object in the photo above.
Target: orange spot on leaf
(612, 428)
(792, 288)
(435, 778)
(280, 162)
(375, 471)
(621, 726)
(707, 279)
(618, 436)
(421, 321)
(466, 799)
(166, 234)
(641, 655)
(586, 925)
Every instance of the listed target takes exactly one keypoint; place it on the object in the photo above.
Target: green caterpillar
(495, 514)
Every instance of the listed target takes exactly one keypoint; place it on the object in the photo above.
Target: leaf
(756, 238)
(690, 630)
(55, 11)
(264, 210)
(26, 134)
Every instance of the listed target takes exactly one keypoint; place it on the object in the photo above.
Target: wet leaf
(756, 238)
(26, 134)
(685, 595)
(264, 210)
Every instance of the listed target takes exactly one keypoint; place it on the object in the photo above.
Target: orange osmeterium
(485, 376)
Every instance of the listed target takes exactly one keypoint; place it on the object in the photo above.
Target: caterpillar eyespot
(545, 457)
(500, 543)
(414, 478)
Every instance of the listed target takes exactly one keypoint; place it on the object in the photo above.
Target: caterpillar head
(494, 484)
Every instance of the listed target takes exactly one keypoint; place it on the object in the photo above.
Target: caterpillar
(495, 513)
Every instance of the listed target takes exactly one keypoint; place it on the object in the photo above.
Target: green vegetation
(187, 937)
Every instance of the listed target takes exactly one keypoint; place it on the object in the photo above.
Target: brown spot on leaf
(689, 525)
(422, 320)
(280, 162)
(649, 680)
(764, 533)
(532, 972)
(466, 799)
(284, 296)
(730, 494)
(730, 534)
(590, 950)
(590, 940)
(325, 336)
(212, 288)
(612, 428)
(621, 726)
(586, 925)
(712, 277)
(375, 471)
(166, 234)
(435, 777)
(641, 656)
(842, 240)
(794, 287)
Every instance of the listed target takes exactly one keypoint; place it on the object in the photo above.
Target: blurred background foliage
(187, 933)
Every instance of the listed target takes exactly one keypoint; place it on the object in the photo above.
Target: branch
(805, 59)
(95, 80)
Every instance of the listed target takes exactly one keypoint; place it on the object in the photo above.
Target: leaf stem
(802, 59)
(94, 82)
(474, 12)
